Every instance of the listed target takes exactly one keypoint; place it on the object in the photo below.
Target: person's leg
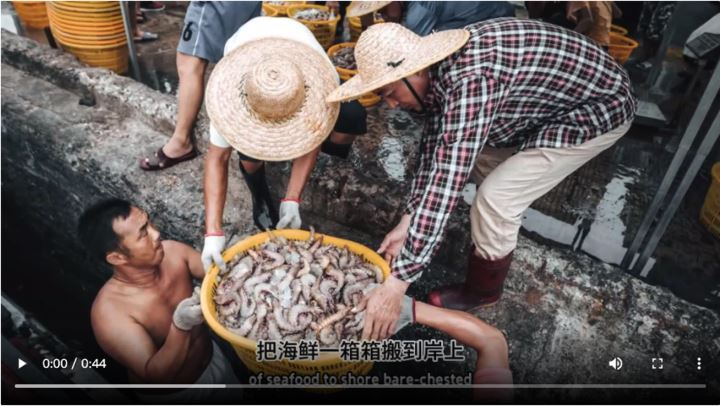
(191, 89)
(454, 296)
(496, 214)
(133, 11)
(152, 6)
(265, 213)
(180, 147)
(250, 166)
(515, 184)
(138, 34)
(352, 121)
(341, 24)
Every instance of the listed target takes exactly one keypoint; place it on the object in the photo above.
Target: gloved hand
(188, 313)
(289, 214)
(212, 252)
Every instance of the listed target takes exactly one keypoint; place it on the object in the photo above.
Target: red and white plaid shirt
(516, 83)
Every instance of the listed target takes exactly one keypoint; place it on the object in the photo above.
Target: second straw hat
(388, 52)
(360, 8)
(267, 99)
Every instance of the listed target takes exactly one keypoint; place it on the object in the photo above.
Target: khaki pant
(508, 184)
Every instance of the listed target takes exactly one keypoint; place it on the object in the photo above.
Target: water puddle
(601, 237)
(391, 157)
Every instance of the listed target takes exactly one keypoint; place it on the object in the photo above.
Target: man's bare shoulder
(175, 248)
(110, 303)
(181, 258)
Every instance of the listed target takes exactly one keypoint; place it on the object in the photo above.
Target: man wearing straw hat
(516, 106)
(424, 17)
(266, 99)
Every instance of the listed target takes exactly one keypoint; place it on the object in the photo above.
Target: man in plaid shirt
(516, 106)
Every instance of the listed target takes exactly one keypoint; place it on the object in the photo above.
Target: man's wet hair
(95, 226)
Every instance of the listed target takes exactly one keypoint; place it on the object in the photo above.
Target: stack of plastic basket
(324, 30)
(279, 8)
(93, 31)
(621, 46)
(368, 99)
(32, 13)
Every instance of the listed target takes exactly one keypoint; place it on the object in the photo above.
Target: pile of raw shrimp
(293, 290)
(345, 58)
(313, 14)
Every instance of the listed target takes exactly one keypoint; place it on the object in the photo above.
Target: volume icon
(616, 363)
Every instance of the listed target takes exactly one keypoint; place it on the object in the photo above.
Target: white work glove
(289, 214)
(212, 252)
(188, 313)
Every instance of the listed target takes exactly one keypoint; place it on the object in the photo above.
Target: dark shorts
(351, 120)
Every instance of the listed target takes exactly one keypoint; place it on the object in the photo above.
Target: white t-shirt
(269, 27)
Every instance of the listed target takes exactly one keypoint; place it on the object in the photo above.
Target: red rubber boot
(483, 284)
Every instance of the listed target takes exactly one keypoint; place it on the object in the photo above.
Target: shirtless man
(146, 316)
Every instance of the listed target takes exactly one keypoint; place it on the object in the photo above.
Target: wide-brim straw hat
(267, 98)
(388, 52)
(360, 8)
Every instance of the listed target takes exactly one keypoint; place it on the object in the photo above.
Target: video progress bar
(359, 386)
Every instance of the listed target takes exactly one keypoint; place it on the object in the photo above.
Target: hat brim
(434, 47)
(266, 139)
(361, 8)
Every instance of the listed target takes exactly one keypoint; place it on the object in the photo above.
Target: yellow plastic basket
(113, 58)
(326, 363)
(710, 212)
(621, 47)
(86, 39)
(93, 31)
(368, 99)
(89, 6)
(32, 13)
(618, 29)
(345, 74)
(356, 26)
(280, 10)
(269, 11)
(324, 31)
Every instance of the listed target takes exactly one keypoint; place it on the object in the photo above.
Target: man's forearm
(301, 169)
(215, 190)
(487, 340)
(167, 362)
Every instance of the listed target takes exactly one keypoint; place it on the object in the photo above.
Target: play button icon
(21, 363)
